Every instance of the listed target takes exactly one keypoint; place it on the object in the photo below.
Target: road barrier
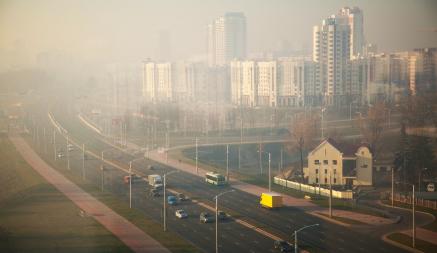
(313, 189)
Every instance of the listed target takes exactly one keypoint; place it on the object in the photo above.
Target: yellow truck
(271, 200)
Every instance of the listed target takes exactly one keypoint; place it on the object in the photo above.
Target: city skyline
(59, 24)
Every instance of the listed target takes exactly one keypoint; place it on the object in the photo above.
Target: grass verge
(36, 217)
(407, 241)
(169, 239)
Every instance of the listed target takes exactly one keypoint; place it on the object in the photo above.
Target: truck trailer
(271, 200)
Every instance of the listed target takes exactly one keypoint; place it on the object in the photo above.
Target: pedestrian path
(128, 233)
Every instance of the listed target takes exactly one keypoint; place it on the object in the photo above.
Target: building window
(326, 180)
(326, 171)
(317, 171)
(335, 171)
(364, 166)
(334, 162)
(316, 162)
(317, 180)
(325, 162)
(335, 180)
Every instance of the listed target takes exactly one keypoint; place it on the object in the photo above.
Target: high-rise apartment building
(226, 39)
(331, 53)
(354, 18)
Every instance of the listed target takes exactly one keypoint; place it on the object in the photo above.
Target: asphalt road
(326, 238)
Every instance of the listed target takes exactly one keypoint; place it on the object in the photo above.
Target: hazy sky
(109, 30)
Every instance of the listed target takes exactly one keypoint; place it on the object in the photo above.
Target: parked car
(181, 214)
(150, 167)
(171, 200)
(222, 215)
(182, 197)
(283, 246)
(60, 154)
(70, 147)
(206, 218)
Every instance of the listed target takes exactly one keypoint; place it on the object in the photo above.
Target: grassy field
(407, 241)
(35, 217)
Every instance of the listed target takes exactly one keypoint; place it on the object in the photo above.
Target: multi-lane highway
(233, 236)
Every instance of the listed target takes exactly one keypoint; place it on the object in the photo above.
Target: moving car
(283, 246)
(206, 217)
(135, 178)
(182, 197)
(222, 215)
(154, 192)
(171, 200)
(181, 214)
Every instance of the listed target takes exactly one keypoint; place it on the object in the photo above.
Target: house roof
(348, 150)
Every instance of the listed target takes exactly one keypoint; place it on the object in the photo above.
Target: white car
(181, 214)
(60, 155)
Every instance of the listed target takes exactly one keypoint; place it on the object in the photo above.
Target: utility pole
(270, 177)
(260, 160)
(83, 161)
(414, 218)
(330, 193)
(392, 186)
(68, 155)
(227, 163)
(197, 168)
(54, 142)
(45, 140)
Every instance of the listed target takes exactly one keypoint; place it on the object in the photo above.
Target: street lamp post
(330, 193)
(270, 178)
(414, 211)
(295, 235)
(165, 202)
(227, 163)
(216, 217)
(68, 154)
(323, 112)
(197, 157)
(54, 142)
(83, 161)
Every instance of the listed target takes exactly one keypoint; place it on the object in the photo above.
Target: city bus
(215, 178)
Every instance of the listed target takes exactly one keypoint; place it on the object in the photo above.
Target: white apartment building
(226, 39)
(291, 81)
(267, 83)
(157, 81)
(244, 83)
(339, 164)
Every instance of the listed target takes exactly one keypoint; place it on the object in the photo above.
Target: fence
(406, 199)
(313, 189)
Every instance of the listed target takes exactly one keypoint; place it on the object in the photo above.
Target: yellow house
(339, 164)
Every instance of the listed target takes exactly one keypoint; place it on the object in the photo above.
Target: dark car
(222, 215)
(154, 192)
(283, 246)
(206, 218)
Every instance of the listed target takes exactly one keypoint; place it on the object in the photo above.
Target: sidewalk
(128, 233)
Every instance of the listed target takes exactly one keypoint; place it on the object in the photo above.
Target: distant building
(157, 81)
(339, 164)
(423, 70)
(226, 39)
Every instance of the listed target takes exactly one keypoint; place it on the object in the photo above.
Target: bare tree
(372, 126)
(301, 133)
